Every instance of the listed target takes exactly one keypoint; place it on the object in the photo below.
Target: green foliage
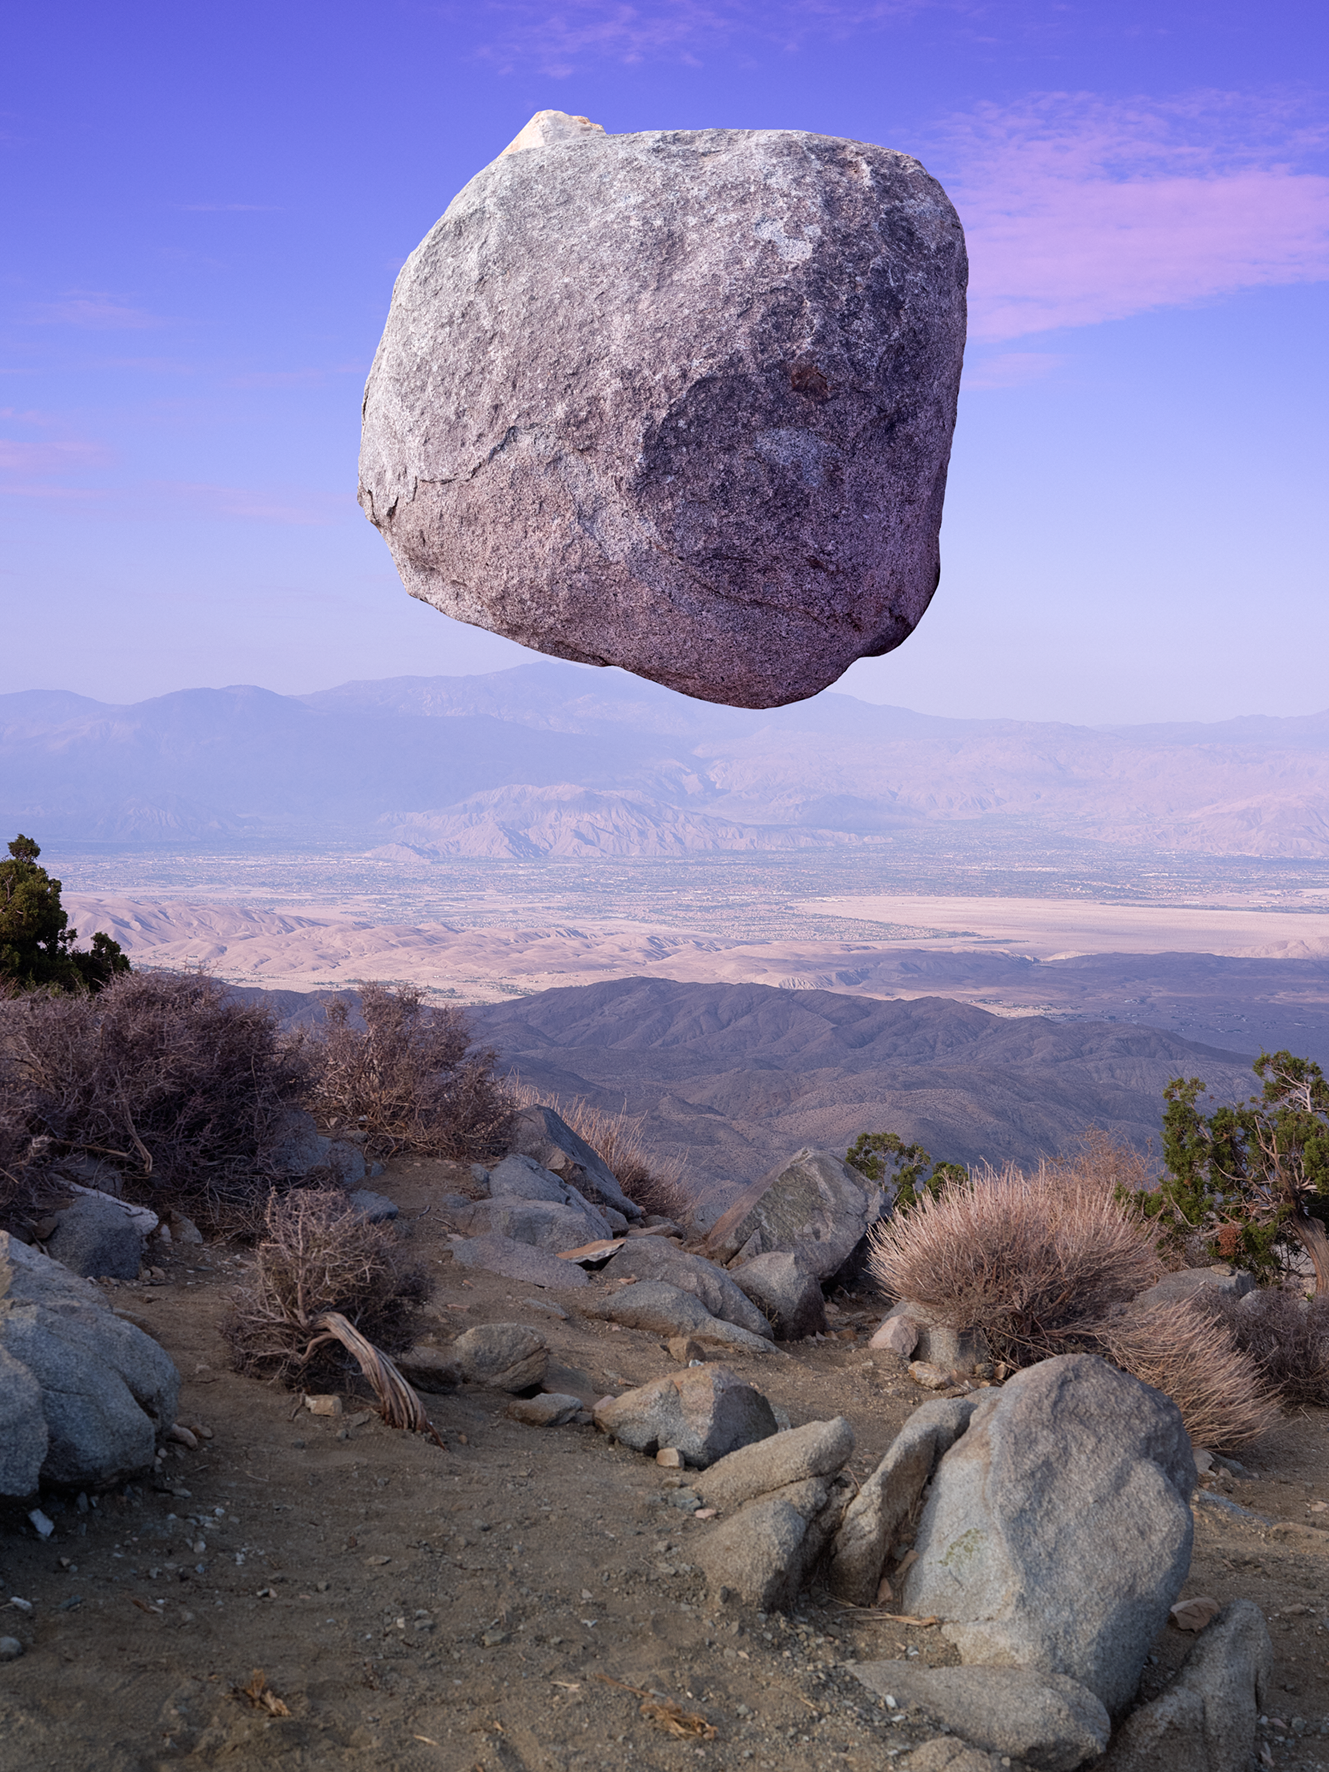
(1252, 1180)
(883, 1157)
(36, 944)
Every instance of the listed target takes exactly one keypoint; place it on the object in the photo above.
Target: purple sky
(205, 210)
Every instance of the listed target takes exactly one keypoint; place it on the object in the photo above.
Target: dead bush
(320, 1259)
(183, 1090)
(404, 1079)
(1286, 1336)
(1185, 1351)
(1035, 1261)
(652, 1182)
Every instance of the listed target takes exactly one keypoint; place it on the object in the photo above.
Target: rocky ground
(526, 1597)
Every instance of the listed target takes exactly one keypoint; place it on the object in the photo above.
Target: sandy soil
(467, 1609)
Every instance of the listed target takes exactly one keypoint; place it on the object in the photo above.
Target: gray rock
(764, 1553)
(704, 1411)
(1050, 1722)
(1224, 1282)
(818, 1449)
(885, 1501)
(98, 1238)
(1206, 1720)
(667, 1311)
(23, 1435)
(1058, 1531)
(296, 1145)
(519, 1177)
(377, 1208)
(678, 401)
(518, 1261)
(541, 1133)
(545, 1224)
(811, 1206)
(787, 1291)
(108, 1391)
(935, 1343)
(430, 1368)
(10, 1648)
(549, 1409)
(649, 1258)
(504, 1356)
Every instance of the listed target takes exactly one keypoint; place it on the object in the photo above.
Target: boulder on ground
(519, 1177)
(1052, 1723)
(897, 1335)
(517, 1261)
(297, 1148)
(377, 1208)
(818, 1449)
(813, 1206)
(1058, 1531)
(1223, 1281)
(782, 1286)
(886, 1500)
(705, 1411)
(549, 1409)
(430, 1368)
(934, 1343)
(679, 401)
(765, 1552)
(545, 1224)
(667, 1311)
(541, 1133)
(99, 1237)
(650, 1258)
(504, 1356)
(1206, 1720)
(108, 1391)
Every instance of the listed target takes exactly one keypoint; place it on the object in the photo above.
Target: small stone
(670, 1457)
(377, 1208)
(687, 1350)
(550, 1409)
(10, 1648)
(182, 1436)
(324, 1405)
(899, 1334)
(932, 1378)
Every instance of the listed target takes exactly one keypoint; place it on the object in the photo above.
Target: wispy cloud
(96, 311)
(561, 39)
(1008, 369)
(1078, 210)
(43, 459)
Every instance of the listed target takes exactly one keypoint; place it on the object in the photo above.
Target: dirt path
(454, 1611)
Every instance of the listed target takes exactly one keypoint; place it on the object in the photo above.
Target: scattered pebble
(10, 1648)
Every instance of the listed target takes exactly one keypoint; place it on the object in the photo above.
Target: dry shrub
(404, 1079)
(179, 1087)
(1287, 1338)
(1183, 1350)
(1035, 1261)
(652, 1182)
(318, 1258)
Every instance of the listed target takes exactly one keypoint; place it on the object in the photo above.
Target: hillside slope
(736, 1076)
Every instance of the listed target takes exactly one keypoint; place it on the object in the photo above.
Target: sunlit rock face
(679, 401)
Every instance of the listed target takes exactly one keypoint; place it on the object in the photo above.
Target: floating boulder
(679, 401)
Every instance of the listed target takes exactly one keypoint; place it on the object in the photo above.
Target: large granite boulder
(86, 1395)
(787, 1291)
(1048, 1721)
(1058, 1531)
(679, 401)
(814, 1206)
(703, 1411)
(100, 1237)
(540, 1133)
(669, 1312)
(656, 1258)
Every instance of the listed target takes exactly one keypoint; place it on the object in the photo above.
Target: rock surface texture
(98, 1238)
(1050, 1722)
(704, 1412)
(1205, 1721)
(105, 1391)
(787, 1291)
(504, 1356)
(668, 1311)
(655, 1258)
(811, 1206)
(1058, 1532)
(678, 401)
(540, 1133)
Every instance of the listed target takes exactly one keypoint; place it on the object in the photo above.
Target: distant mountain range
(737, 1076)
(557, 760)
